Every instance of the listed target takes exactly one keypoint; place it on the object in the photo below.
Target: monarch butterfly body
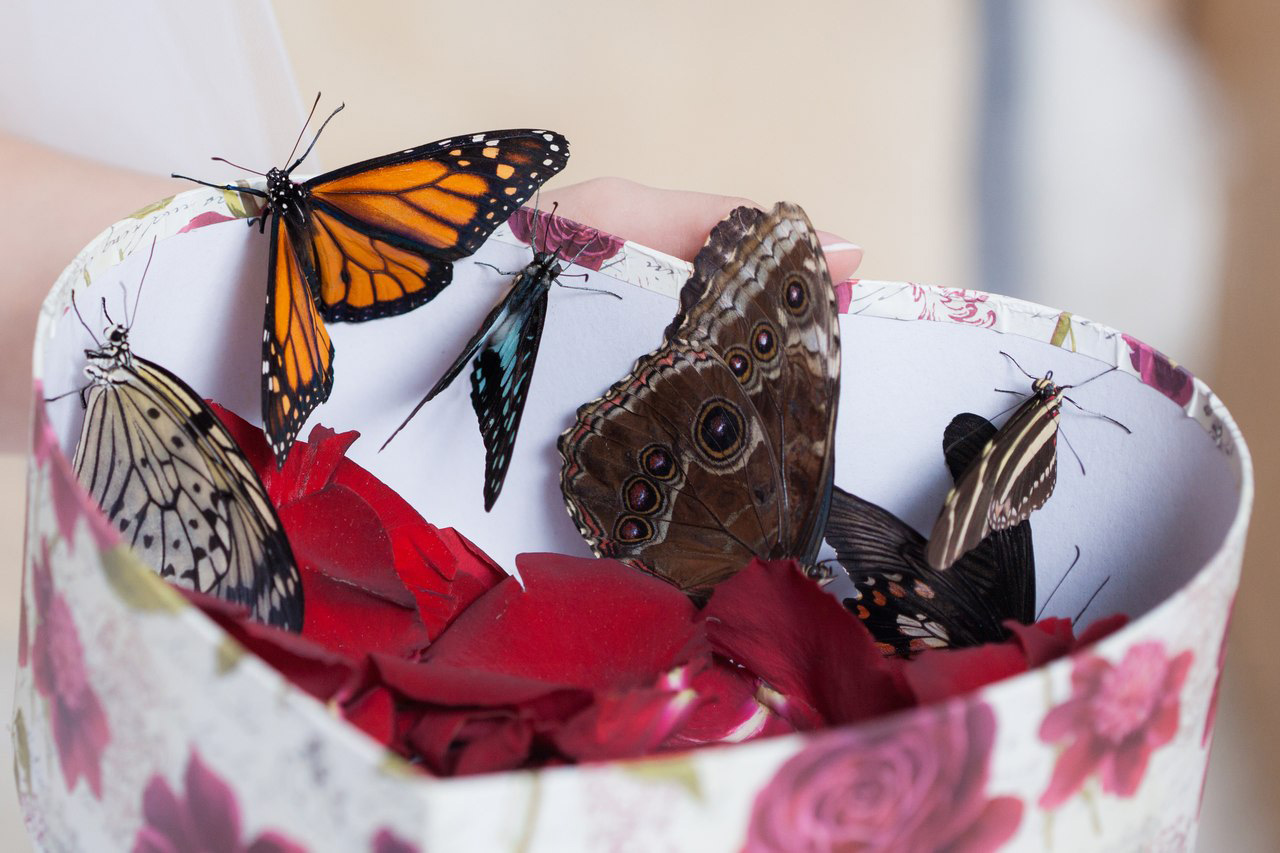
(172, 480)
(376, 239)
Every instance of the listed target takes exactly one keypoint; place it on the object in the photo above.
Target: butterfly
(1013, 476)
(717, 447)
(376, 239)
(908, 605)
(173, 481)
(505, 348)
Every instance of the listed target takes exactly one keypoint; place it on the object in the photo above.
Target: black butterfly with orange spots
(376, 239)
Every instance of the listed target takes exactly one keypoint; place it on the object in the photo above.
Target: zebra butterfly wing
(1012, 477)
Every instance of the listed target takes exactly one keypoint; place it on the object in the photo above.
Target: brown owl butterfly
(718, 446)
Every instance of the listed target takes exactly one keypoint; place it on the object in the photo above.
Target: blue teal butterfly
(503, 352)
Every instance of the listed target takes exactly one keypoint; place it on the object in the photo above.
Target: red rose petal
(310, 666)
(728, 710)
(374, 714)
(803, 643)
(593, 624)
(625, 725)
(939, 674)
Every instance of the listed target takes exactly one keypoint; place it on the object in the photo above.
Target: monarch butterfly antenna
(238, 166)
(1090, 601)
(137, 298)
(1098, 414)
(1054, 591)
(1112, 369)
(225, 187)
(303, 129)
(1019, 366)
(80, 316)
(314, 139)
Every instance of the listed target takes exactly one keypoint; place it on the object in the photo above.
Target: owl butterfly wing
(297, 355)
(172, 480)
(671, 470)
(761, 298)
(384, 232)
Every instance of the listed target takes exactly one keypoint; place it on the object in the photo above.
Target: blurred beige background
(1113, 157)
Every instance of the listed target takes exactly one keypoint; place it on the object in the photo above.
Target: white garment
(152, 85)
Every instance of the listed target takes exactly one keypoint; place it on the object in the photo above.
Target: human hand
(671, 221)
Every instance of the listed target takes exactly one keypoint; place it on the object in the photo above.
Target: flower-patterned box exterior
(138, 724)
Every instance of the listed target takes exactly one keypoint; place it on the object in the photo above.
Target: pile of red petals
(421, 641)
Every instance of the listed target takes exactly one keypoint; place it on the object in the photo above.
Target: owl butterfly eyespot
(174, 483)
(376, 239)
(717, 446)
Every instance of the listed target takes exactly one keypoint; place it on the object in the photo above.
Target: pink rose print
(1160, 372)
(206, 819)
(571, 240)
(387, 841)
(917, 782)
(1116, 717)
(79, 725)
(954, 304)
(70, 503)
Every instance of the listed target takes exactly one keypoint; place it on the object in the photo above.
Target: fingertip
(843, 256)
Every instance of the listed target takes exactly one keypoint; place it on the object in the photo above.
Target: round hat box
(128, 718)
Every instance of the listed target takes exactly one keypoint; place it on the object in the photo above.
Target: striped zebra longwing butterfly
(1012, 477)
(906, 604)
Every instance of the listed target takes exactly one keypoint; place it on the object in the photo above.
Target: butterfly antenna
(63, 395)
(315, 139)
(137, 298)
(611, 264)
(76, 308)
(1112, 369)
(227, 187)
(1079, 461)
(302, 131)
(590, 290)
(1090, 601)
(1054, 591)
(104, 311)
(492, 267)
(1098, 414)
(1019, 366)
(533, 221)
(238, 166)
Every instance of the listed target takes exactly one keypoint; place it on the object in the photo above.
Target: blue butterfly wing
(500, 384)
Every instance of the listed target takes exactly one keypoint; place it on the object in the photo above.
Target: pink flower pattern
(79, 725)
(1117, 716)
(954, 304)
(917, 782)
(205, 818)
(1160, 372)
(586, 246)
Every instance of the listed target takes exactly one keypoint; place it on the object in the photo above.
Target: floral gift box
(146, 721)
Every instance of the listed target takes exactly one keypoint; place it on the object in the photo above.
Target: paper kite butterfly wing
(1012, 476)
(172, 480)
(682, 468)
(385, 232)
(500, 380)
(761, 298)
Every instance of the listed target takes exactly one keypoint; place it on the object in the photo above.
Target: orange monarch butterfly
(376, 239)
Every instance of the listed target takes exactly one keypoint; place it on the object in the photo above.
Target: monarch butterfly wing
(172, 480)
(297, 355)
(500, 386)
(384, 232)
